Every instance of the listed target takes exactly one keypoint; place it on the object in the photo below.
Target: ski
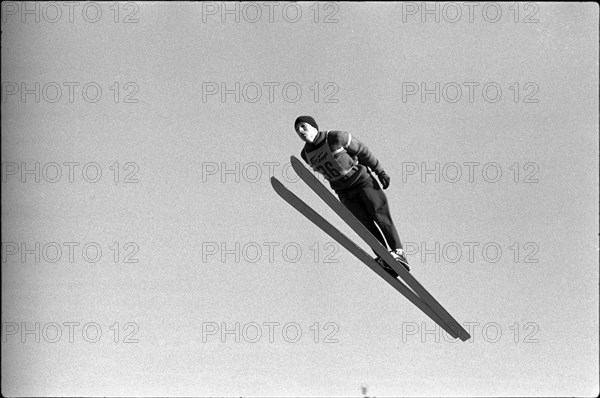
(358, 252)
(366, 235)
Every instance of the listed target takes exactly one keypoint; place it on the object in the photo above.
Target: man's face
(306, 132)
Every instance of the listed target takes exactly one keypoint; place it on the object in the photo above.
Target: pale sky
(187, 112)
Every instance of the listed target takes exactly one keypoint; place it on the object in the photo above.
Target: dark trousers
(370, 206)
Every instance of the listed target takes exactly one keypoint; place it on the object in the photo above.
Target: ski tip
(297, 166)
(277, 185)
(294, 159)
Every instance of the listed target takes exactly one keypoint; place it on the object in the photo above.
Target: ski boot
(399, 256)
(386, 267)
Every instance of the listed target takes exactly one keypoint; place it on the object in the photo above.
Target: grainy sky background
(494, 191)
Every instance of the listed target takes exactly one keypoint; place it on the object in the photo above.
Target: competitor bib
(323, 161)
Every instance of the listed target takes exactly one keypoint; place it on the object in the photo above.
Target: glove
(384, 179)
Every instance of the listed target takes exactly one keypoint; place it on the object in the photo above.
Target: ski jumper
(344, 161)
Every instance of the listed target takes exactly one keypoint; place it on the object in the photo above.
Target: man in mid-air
(346, 162)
